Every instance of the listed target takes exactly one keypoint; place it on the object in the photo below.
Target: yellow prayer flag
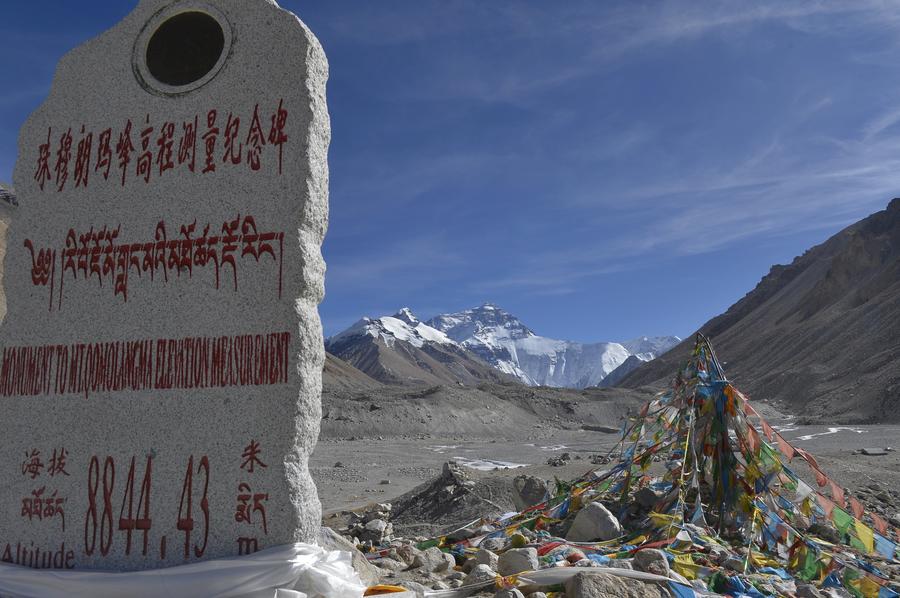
(865, 534)
(866, 586)
(684, 565)
(761, 560)
(662, 519)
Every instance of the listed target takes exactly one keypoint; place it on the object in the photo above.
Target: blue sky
(601, 169)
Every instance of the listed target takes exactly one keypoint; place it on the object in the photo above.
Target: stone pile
(559, 460)
(405, 565)
(371, 528)
(589, 542)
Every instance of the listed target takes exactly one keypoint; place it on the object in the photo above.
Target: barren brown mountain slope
(405, 363)
(338, 375)
(821, 335)
(355, 405)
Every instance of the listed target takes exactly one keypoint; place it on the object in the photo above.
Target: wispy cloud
(796, 180)
(588, 37)
(881, 123)
(763, 198)
(394, 260)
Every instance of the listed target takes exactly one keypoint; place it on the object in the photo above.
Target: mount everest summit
(480, 344)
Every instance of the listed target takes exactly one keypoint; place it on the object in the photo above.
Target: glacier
(504, 342)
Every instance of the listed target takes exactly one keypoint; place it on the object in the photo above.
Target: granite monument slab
(162, 351)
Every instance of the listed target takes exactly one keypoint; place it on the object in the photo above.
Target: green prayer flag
(842, 519)
(809, 566)
(850, 576)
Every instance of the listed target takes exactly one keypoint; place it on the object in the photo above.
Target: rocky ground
(414, 464)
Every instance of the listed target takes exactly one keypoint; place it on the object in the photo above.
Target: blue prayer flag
(682, 591)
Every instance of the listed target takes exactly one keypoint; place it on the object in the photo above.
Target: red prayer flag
(809, 459)
(782, 532)
(767, 429)
(837, 493)
(821, 478)
(826, 505)
(785, 447)
(857, 508)
(748, 410)
(752, 439)
(880, 525)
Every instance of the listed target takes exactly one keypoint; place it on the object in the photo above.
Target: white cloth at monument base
(288, 571)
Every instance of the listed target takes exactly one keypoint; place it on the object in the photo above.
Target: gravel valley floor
(352, 472)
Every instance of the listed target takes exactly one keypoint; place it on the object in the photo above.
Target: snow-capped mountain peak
(502, 340)
(403, 326)
(407, 316)
(485, 321)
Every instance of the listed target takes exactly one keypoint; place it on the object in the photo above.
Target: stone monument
(162, 351)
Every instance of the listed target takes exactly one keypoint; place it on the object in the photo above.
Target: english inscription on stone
(161, 362)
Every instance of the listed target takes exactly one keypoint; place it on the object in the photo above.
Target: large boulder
(646, 498)
(592, 584)
(331, 540)
(529, 491)
(486, 557)
(434, 560)
(516, 560)
(408, 553)
(494, 544)
(652, 560)
(594, 522)
(479, 574)
(389, 564)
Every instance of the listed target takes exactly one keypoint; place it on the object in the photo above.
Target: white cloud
(880, 123)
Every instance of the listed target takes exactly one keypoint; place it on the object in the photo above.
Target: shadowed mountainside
(820, 336)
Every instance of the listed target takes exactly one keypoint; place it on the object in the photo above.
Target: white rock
(480, 573)
(594, 522)
(331, 540)
(433, 560)
(389, 564)
(377, 525)
(516, 560)
(529, 491)
(486, 557)
(590, 584)
(651, 560)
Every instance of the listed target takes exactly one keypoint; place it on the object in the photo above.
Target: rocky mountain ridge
(399, 349)
(821, 335)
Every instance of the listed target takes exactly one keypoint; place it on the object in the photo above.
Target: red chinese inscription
(148, 144)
